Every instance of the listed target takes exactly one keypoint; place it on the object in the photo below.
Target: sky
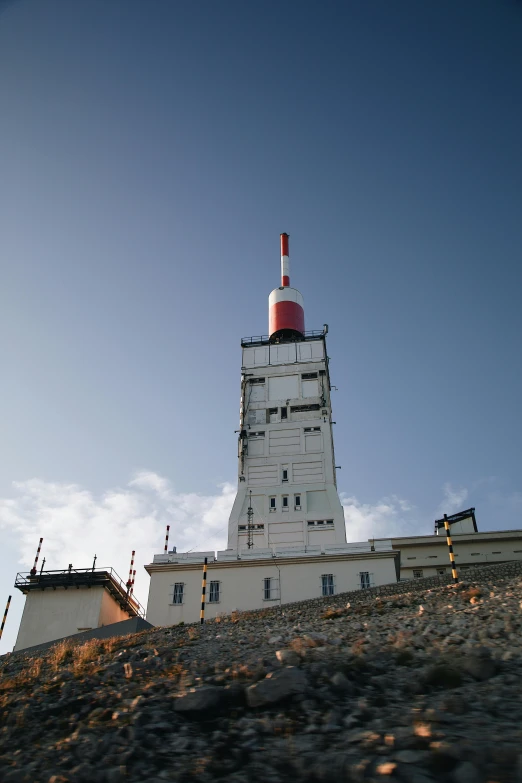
(151, 154)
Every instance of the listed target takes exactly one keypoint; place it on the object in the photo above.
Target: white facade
(53, 614)
(257, 579)
(286, 463)
(428, 555)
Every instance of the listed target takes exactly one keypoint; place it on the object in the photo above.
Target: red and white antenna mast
(285, 304)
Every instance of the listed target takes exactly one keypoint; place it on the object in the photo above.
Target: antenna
(250, 526)
(42, 566)
(94, 561)
(167, 540)
(33, 569)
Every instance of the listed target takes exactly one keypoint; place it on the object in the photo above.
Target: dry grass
(61, 653)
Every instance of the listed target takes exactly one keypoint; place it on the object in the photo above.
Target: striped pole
(203, 591)
(33, 569)
(167, 540)
(5, 615)
(133, 580)
(285, 261)
(450, 548)
(129, 581)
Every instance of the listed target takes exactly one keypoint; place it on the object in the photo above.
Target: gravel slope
(423, 686)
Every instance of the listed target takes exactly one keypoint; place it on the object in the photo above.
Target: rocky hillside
(418, 687)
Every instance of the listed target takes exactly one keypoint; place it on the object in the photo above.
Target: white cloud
(454, 499)
(75, 524)
(388, 517)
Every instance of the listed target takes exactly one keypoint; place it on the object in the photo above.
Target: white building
(423, 556)
(286, 536)
(59, 604)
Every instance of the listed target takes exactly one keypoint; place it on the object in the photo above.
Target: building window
(329, 521)
(312, 429)
(285, 474)
(272, 504)
(475, 553)
(441, 571)
(214, 594)
(308, 376)
(327, 584)
(285, 502)
(411, 558)
(177, 597)
(284, 414)
(417, 573)
(496, 553)
(257, 380)
(270, 589)
(242, 527)
(365, 579)
(431, 557)
(297, 502)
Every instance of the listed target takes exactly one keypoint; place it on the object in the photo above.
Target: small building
(256, 578)
(63, 603)
(428, 555)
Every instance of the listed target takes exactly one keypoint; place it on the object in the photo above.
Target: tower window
(284, 413)
(177, 596)
(312, 429)
(327, 584)
(285, 474)
(285, 502)
(257, 380)
(308, 376)
(272, 504)
(297, 502)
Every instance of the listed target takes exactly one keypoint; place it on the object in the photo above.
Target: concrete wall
(53, 614)
(110, 611)
(242, 585)
(429, 554)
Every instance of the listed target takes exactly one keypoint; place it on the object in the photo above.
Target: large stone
(276, 686)
(288, 657)
(479, 667)
(207, 697)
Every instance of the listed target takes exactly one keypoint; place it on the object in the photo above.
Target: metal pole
(250, 524)
(33, 569)
(167, 540)
(450, 548)
(94, 561)
(129, 581)
(203, 591)
(42, 566)
(5, 615)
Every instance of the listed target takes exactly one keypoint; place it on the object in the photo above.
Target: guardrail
(264, 339)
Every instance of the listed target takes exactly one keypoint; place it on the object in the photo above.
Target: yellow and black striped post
(203, 591)
(451, 555)
(5, 615)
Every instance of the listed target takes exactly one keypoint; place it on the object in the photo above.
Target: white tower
(287, 493)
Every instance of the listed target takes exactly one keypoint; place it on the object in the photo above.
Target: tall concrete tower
(287, 491)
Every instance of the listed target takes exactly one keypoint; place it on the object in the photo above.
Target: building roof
(82, 577)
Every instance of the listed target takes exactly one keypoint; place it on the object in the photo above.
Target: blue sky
(151, 153)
